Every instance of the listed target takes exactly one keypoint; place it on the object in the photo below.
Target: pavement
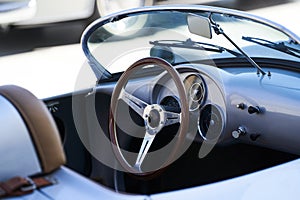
(52, 70)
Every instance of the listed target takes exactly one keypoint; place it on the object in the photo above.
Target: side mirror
(199, 25)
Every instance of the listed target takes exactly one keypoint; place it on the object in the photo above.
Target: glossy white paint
(74, 186)
(18, 156)
(36, 195)
(276, 183)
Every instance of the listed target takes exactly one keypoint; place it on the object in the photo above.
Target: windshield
(118, 44)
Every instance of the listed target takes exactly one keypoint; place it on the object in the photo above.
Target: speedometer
(196, 92)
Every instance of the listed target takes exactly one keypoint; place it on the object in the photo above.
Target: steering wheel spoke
(172, 118)
(133, 102)
(148, 139)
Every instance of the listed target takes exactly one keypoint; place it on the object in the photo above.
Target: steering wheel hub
(154, 118)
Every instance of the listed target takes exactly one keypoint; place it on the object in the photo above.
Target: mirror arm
(219, 31)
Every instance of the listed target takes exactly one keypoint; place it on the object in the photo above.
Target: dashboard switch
(239, 132)
(241, 106)
(253, 109)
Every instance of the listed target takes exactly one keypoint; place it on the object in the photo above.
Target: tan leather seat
(22, 114)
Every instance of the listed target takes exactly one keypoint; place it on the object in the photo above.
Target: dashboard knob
(241, 106)
(239, 132)
(253, 109)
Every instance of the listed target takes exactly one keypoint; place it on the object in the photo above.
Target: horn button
(154, 118)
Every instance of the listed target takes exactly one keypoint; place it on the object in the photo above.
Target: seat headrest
(28, 134)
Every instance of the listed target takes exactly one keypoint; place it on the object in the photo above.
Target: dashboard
(205, 99)
(226, 106)
(233, 105)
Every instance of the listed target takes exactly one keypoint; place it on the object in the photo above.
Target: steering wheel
(154, 115)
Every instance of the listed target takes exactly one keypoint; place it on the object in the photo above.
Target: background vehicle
(40, 12)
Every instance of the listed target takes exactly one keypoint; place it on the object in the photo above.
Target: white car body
(279, 182)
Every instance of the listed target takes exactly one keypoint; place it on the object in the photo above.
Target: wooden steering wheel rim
(183, 129)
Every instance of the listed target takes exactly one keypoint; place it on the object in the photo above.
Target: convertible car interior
(171, 98)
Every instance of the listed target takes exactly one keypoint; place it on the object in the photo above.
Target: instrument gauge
(211, 123)
(196, 92)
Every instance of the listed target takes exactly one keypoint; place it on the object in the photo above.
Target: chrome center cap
(154, 118)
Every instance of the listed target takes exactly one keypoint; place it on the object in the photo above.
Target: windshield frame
(102, 73)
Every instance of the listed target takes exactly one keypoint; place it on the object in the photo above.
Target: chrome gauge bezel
(197, 81)
(222, 122)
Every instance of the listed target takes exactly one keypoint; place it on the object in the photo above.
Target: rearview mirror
(199, 25)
